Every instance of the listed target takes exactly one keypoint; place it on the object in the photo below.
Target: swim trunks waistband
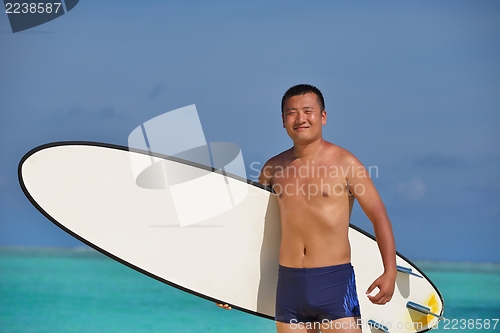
(332, 268)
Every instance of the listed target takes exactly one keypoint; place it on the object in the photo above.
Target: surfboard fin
(423, 309)
(380, 327)
(407, 270)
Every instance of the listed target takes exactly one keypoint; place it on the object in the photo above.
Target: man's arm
(266, 174)
(364, 191)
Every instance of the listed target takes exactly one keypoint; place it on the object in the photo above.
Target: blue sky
(411, 87)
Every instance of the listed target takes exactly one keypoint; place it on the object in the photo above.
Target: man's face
(303, 118)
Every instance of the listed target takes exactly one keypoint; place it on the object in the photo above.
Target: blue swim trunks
(316, 294)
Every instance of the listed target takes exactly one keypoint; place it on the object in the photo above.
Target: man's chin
(302, 140)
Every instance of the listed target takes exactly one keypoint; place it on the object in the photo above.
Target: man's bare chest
(310, 180)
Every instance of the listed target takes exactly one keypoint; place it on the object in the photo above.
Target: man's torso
(315, 207)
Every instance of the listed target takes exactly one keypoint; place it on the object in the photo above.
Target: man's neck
(308, 150)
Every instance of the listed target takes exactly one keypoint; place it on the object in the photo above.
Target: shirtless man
(316, 183)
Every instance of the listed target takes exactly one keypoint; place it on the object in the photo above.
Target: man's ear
(323, 117)
(283, 119)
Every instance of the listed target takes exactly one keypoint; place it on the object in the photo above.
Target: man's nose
(300, 117)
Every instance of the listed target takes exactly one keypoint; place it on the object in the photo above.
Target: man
(316, 183)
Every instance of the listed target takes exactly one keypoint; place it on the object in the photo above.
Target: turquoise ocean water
(80, 290)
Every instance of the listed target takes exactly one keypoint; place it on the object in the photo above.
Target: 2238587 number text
(32, 8)
(467, 324)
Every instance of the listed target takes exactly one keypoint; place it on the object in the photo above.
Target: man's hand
(223, 306)
(385, 283)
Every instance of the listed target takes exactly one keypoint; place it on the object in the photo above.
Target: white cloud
(412, 189)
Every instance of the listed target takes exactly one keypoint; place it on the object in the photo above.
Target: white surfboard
(199, 229)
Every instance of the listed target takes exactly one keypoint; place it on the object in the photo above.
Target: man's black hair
(302, 89)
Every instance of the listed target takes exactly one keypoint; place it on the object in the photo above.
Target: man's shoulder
(271, 166)
(339, 153)
(279, 159)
